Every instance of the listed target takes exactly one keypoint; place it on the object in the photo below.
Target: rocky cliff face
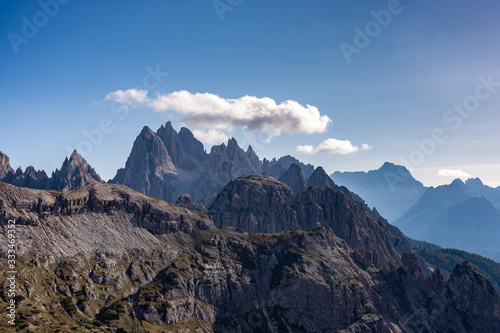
(106, 256)
(5, 168)
(257, 203)
(29, 178)
(319, 178)
(293, 177)
(75, 172)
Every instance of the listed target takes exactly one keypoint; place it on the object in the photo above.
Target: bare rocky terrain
(106, 258)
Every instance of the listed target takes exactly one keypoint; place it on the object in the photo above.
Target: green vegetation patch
(447, 259)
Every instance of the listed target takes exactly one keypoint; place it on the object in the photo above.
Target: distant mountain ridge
(74, 173)
(462, 215)
(391, 188)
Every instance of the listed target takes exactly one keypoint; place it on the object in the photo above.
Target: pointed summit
(75, 172)
(320, 179)
(254, 159)
(458, 182)
(30, 178)
(146, 132)
(192, 146)
(232, 145)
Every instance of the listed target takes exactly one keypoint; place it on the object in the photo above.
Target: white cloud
(332, 146)
(254, 115)
(128, 97)
(306, 149)
(211, 136)
(365, 146)
(457, 173)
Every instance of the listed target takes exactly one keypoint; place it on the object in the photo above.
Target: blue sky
(392, 94)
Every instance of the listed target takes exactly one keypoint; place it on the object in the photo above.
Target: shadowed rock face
(320, 179)
(5, 168)
(129, 260)
(293, 178)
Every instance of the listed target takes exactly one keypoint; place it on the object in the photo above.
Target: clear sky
(388, 76)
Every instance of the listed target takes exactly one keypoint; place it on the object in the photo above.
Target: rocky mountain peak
(75, 172)
(320, 178)
(394, 173)
(276, 167)
(233, 149)
(474, 183)
(252, 191)
(254, 159)
(146, 132)
(30, 178)
(474, 297)
(437, 279)
(458, 182)
(183, 148)
(5, 168)
(257, 203)
(293, 178)
(191, 145)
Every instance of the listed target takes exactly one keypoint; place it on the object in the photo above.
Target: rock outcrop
(29, 178)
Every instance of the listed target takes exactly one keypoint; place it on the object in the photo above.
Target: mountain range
(280, 248)
(104, 257)
(458, 215)
(167, 164)
(75, 172)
